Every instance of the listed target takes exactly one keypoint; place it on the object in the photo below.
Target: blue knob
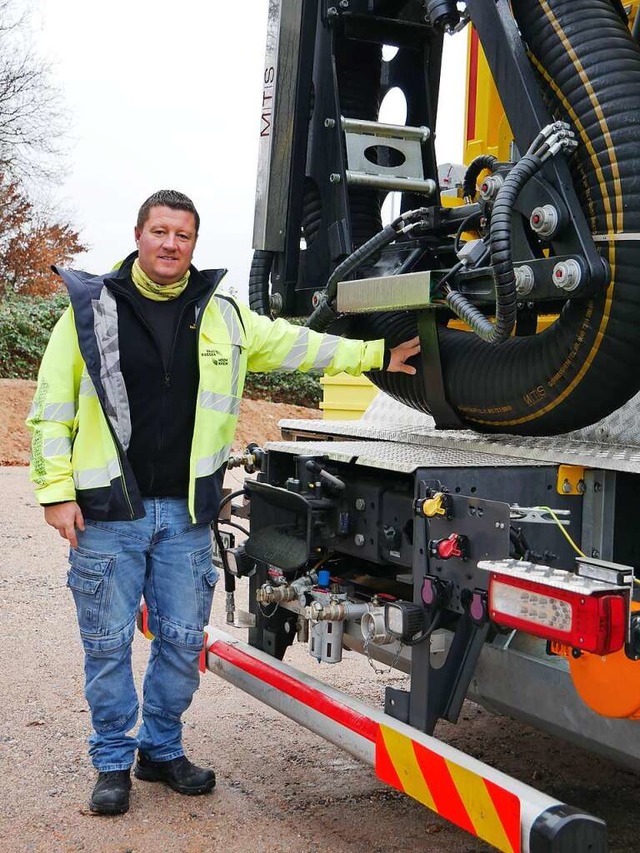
(324, 577)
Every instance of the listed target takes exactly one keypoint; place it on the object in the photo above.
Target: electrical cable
(234, 524)
(215, 526)
(415, 641)
(464, 227)
(563, 531)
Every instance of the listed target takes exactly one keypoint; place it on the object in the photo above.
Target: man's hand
(400, 354)
(65, 518)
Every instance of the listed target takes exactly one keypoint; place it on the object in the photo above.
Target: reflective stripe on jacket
(80, 414)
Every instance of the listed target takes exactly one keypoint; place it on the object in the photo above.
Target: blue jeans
(166, 559)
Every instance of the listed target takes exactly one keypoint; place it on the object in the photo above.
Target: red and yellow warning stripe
(454, 792)
(457, 793)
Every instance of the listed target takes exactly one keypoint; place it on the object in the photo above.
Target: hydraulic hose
(324, 313)
(587, 364)
(477, 165)
(501, 262)
(259, 281)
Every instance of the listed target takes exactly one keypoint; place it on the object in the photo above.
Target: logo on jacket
(215, 356)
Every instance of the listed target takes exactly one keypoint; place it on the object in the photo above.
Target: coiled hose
(259, 273)
(587, 364)
(476, 166)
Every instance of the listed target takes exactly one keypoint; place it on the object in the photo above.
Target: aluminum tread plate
(390, 421)
(394, 456)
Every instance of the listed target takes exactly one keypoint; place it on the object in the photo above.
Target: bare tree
(31, 112)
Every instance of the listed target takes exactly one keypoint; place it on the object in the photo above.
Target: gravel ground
(280, 788)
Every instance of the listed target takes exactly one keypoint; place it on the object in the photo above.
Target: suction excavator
(476, 528)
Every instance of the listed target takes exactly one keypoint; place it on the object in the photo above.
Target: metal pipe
(335, 611)
(391, 182)
(389, 131)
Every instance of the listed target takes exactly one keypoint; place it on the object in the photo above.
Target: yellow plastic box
(345, 397)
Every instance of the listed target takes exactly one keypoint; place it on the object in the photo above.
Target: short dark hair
(167, 198)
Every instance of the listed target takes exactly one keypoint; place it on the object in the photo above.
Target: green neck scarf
(157, 292)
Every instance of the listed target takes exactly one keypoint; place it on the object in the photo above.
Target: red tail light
(586, 614)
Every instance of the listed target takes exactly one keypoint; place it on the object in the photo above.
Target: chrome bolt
(334, 178)
(361, 504)
(329, 122)
(359, 540)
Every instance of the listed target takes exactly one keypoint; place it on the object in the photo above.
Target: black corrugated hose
(259, 281)
(587, 364)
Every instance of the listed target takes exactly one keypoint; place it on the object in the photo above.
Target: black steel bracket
(520, 95)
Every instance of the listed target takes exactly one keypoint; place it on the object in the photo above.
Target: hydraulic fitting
(525, 280)
(282, 593)
(567, 275)
(268, 594)
(490, 187)
(544, 220)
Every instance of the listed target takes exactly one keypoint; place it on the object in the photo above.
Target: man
(133, 420)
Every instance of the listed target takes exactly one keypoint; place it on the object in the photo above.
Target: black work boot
(111, 793)
(179, 774)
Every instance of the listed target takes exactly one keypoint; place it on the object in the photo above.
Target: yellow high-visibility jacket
(80, 420)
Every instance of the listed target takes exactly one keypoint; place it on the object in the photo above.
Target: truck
(475, 528)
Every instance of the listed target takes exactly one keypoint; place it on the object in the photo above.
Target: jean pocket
(205, 576)
(89, 578)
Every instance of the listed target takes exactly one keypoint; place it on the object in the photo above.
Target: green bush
(26, 323)
(298, 389)
(25, 326)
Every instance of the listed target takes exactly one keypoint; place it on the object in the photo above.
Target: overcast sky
(160, 94)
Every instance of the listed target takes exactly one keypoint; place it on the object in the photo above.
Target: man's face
(166, 243)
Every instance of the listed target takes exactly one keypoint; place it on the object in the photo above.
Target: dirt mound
(258, 420)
